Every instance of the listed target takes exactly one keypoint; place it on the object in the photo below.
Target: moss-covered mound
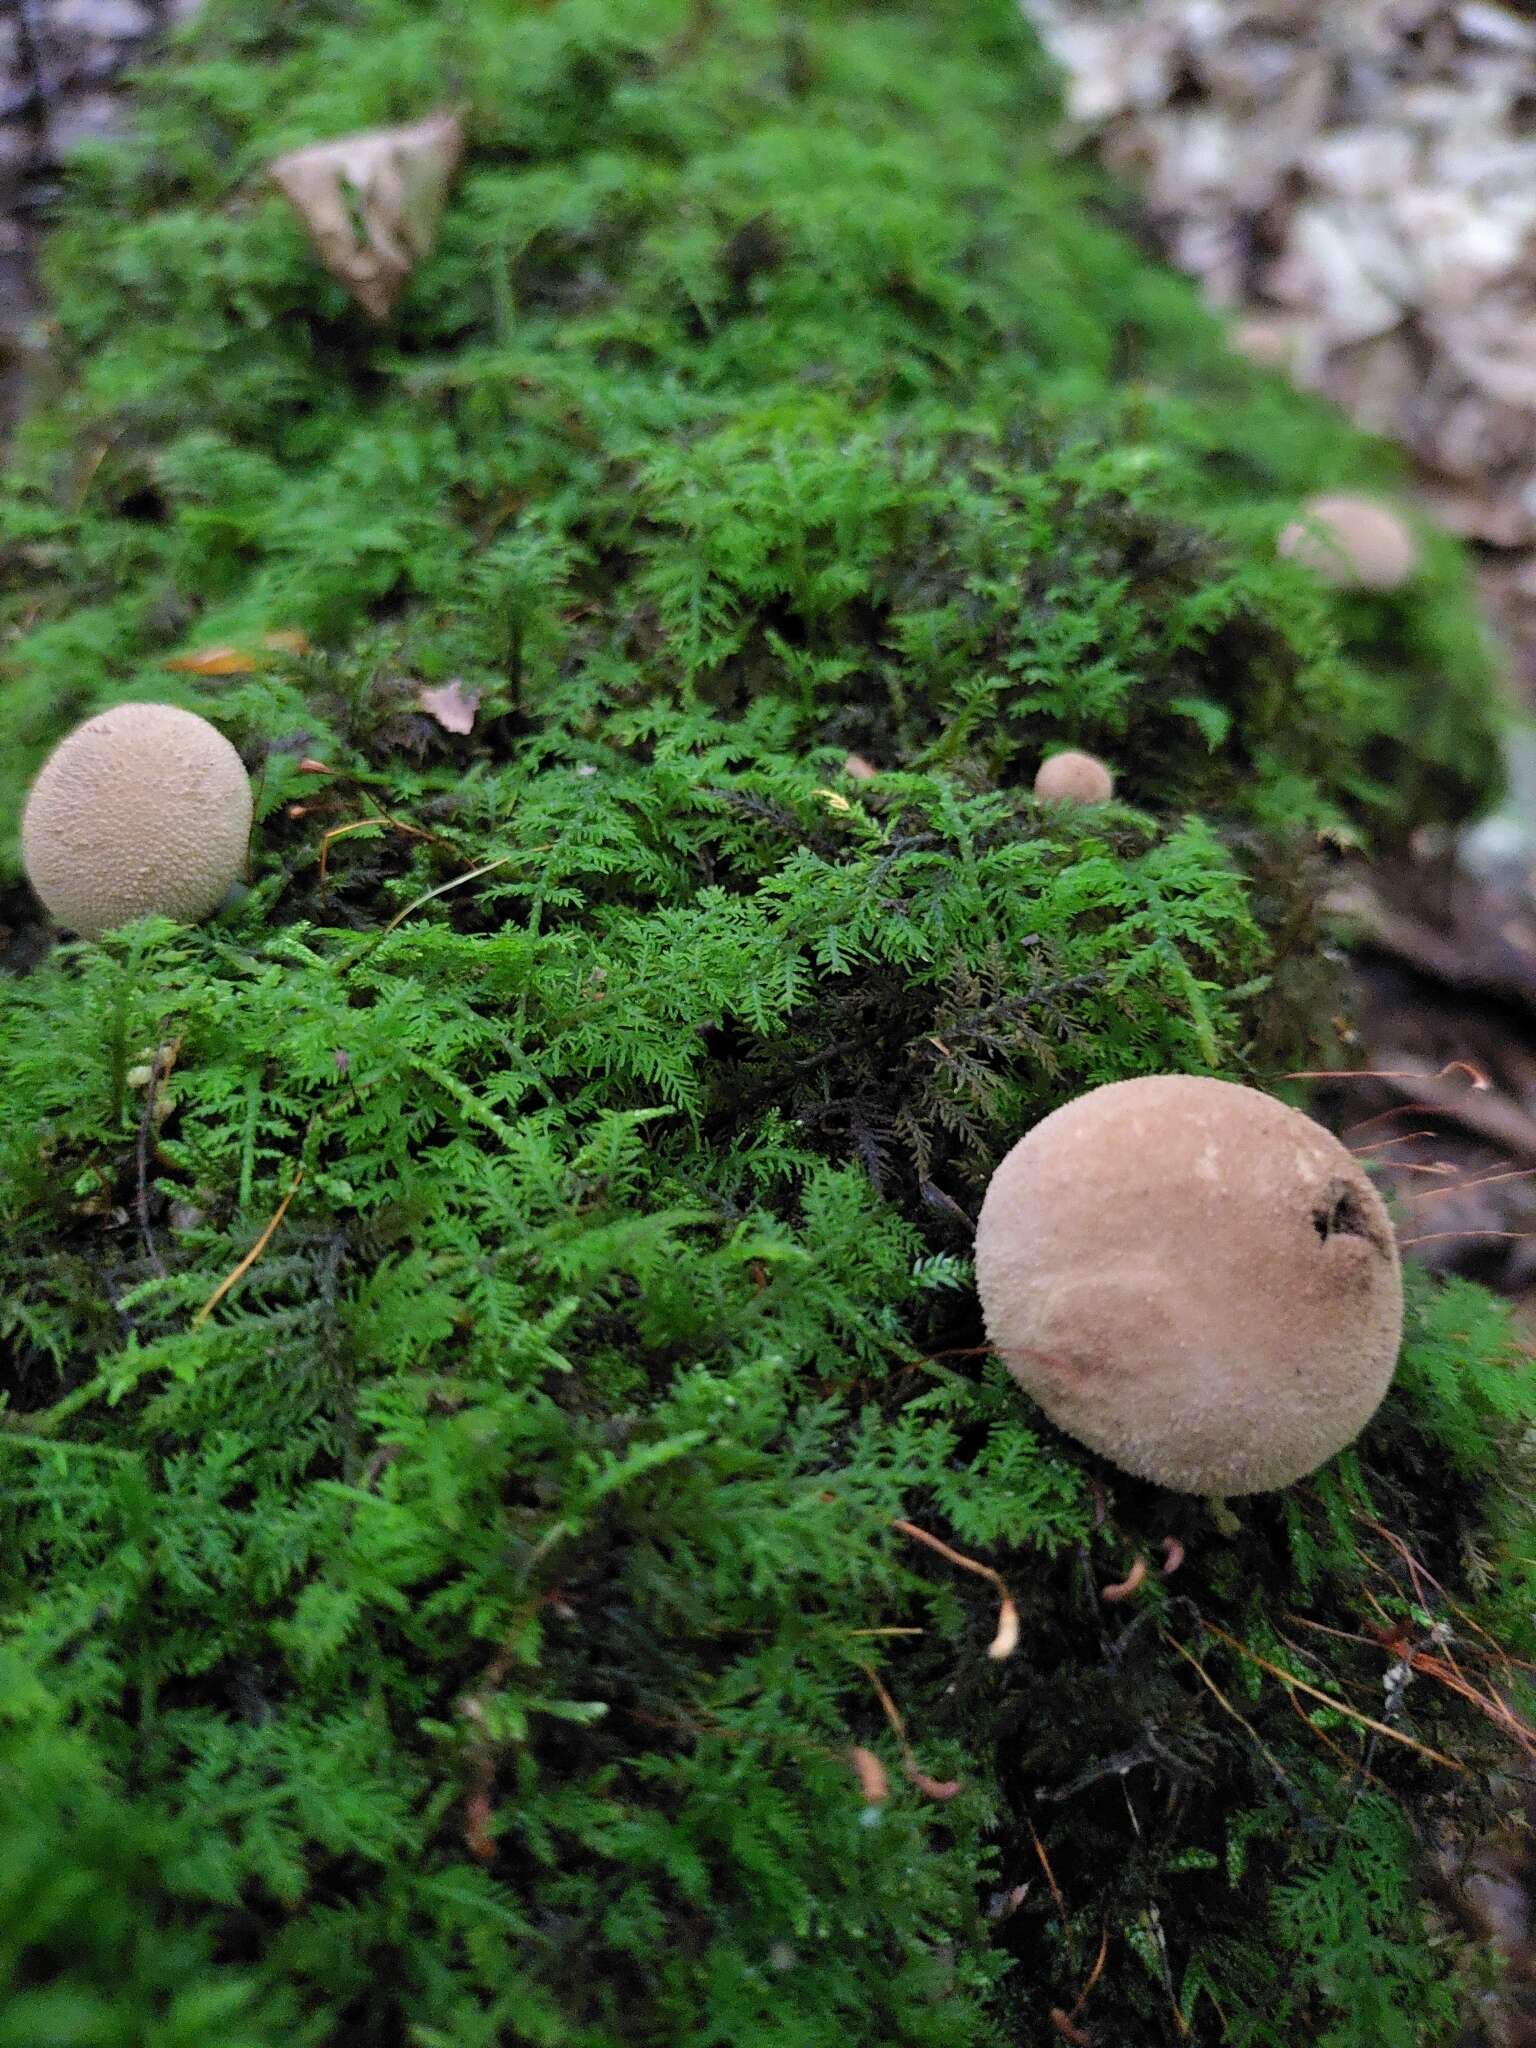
(476, 1315)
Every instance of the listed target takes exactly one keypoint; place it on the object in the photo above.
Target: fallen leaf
(286, 641)
(215, 661)
(372, 202)
(451, 705)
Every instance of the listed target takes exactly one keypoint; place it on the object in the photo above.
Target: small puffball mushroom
(143, 810)
(1194, 1280)
(1074, 779)
(1352, 542)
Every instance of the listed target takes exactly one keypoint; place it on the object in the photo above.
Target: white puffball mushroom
(1194, 1280)
(1351, 541)
(1074, 779)
(144, 810)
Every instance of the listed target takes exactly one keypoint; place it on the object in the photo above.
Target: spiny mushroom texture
(1351, 541)
(143, 810)
(1074, 779)
(1193, 1280)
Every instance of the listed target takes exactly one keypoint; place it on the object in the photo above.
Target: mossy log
(481, 1315)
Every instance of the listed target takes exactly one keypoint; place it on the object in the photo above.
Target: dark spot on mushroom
(1342, 1214)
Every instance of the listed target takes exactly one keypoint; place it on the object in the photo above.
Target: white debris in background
(372, 202)
(1357, 179)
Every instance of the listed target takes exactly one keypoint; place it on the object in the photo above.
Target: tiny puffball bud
(1193, 1280)
(144, 810)
(1074, 779)
(1352, 542)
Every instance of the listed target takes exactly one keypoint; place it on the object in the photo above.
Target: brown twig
(1095, 1973)
(1006, 1641)
(1434, 1236)
(1050, 1878)
(1289, 1678)
(1464, 1187)
(1475, 1075)
(1222, 1701)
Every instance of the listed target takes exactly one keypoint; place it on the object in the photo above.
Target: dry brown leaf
(372, 202)
(451, 705)
(286, 640)
(215, 661)
(1336, 265)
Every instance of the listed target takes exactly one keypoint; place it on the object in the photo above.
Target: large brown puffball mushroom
(1353, 542)
(1074, 779)
(1193, 1280)
(143, 810)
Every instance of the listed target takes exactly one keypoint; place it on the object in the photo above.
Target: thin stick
(1416, 1570)
(1095, 1973)
(442, 889)
(1339, 1635)
(1351, 1764)
(1338, 1706)
(381, 818)
(1475, 1075)
(1050, 1878)
(1407, 1138)
(1434, 1236)
(1486, 1180)
(255, 1252)
(1221, 1700)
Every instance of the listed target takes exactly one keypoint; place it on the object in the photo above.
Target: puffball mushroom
(1194, 1280)
(1351, 541)
(142, 810)
(1074, 779)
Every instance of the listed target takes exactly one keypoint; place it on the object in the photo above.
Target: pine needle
(233, 1279)
(1289, 1678)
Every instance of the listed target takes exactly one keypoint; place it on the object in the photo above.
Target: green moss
(455, 1631)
